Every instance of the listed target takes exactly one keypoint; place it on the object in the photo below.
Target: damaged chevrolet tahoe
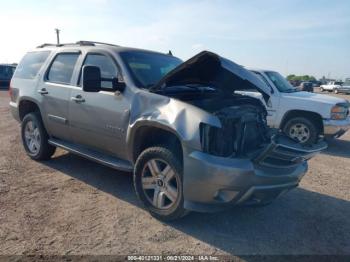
(190, 141)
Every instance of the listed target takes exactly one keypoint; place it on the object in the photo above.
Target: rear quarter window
(31, 64)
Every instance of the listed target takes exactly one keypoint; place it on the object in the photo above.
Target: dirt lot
(70, 205)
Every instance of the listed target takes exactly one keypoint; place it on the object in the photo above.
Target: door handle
(78, 99)
(43, 91)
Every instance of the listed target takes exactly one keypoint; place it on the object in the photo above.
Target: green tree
(300, 78)
(290, 77)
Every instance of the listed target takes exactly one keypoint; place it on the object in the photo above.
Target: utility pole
(58, 35)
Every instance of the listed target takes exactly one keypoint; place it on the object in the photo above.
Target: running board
(93, 155)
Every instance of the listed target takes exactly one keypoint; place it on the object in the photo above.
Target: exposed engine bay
(209, 82)
(244, 129)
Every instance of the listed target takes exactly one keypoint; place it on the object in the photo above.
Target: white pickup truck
(331, 86)
(302, 115)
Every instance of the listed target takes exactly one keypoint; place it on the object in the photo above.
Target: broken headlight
(217, 141)
(243, 131)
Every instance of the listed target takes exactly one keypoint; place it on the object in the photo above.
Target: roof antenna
(58, 35)
(170, 53)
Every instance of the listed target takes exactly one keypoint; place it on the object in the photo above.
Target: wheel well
(314, 117)
(26, 107)
(146, 137)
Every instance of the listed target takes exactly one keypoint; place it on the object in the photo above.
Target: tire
(154, 190)
(321, 89)
(36, 142)
(300, 123)
(336, 91)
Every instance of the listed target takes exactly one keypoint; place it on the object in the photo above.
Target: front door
(100, 119)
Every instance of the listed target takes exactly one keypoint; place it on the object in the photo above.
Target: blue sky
(290, 36)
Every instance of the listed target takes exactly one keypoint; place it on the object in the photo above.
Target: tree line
(301, 78)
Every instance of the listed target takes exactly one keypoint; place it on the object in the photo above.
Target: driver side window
(107, 67)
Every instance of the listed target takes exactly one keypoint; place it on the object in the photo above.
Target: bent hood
(210, 69)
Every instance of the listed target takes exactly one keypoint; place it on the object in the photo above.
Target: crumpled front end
(215, 182)
(243, 161)
(230, 156)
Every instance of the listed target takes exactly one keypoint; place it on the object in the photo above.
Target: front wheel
(321, 89)
(158, 183)
(302, 129)
(336, 91)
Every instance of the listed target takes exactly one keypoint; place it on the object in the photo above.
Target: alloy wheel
(160, 184)
(32, 137)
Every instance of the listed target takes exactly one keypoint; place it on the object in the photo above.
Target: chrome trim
(333, 127)
(57, 119)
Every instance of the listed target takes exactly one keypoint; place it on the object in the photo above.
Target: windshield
(148, 68)
(280, 82)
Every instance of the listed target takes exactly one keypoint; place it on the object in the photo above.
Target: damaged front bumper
(213, 183)
(336, 128)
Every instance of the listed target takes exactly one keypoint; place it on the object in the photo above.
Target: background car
(306, 86)
(344, 88)
(6, 72)
(331, 86)
(303, 116)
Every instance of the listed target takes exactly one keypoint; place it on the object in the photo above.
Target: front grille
(285, 152)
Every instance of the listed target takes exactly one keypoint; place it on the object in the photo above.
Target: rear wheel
(302, 129)
(336, 91)
(158, 183)
(35, 137)
(321, 89)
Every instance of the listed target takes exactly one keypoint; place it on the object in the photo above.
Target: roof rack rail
(84, 42)
(57, 45)
(81, 43)
(44, 45)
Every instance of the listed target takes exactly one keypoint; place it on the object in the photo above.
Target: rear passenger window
(62, 68)
(30, 64)
(106, 65)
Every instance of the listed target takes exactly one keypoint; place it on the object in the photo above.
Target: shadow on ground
(301, 222)
(338, 147)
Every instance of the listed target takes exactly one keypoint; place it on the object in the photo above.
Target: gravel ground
(69, 205)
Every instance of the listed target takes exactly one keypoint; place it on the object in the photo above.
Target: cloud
(198, 47)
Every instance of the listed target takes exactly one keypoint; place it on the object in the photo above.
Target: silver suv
(191, 142)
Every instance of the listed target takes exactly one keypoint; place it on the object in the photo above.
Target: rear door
(100, 119)
(55, 91)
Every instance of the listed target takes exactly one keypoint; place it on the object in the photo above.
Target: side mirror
(91, 78)
(118, 84)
